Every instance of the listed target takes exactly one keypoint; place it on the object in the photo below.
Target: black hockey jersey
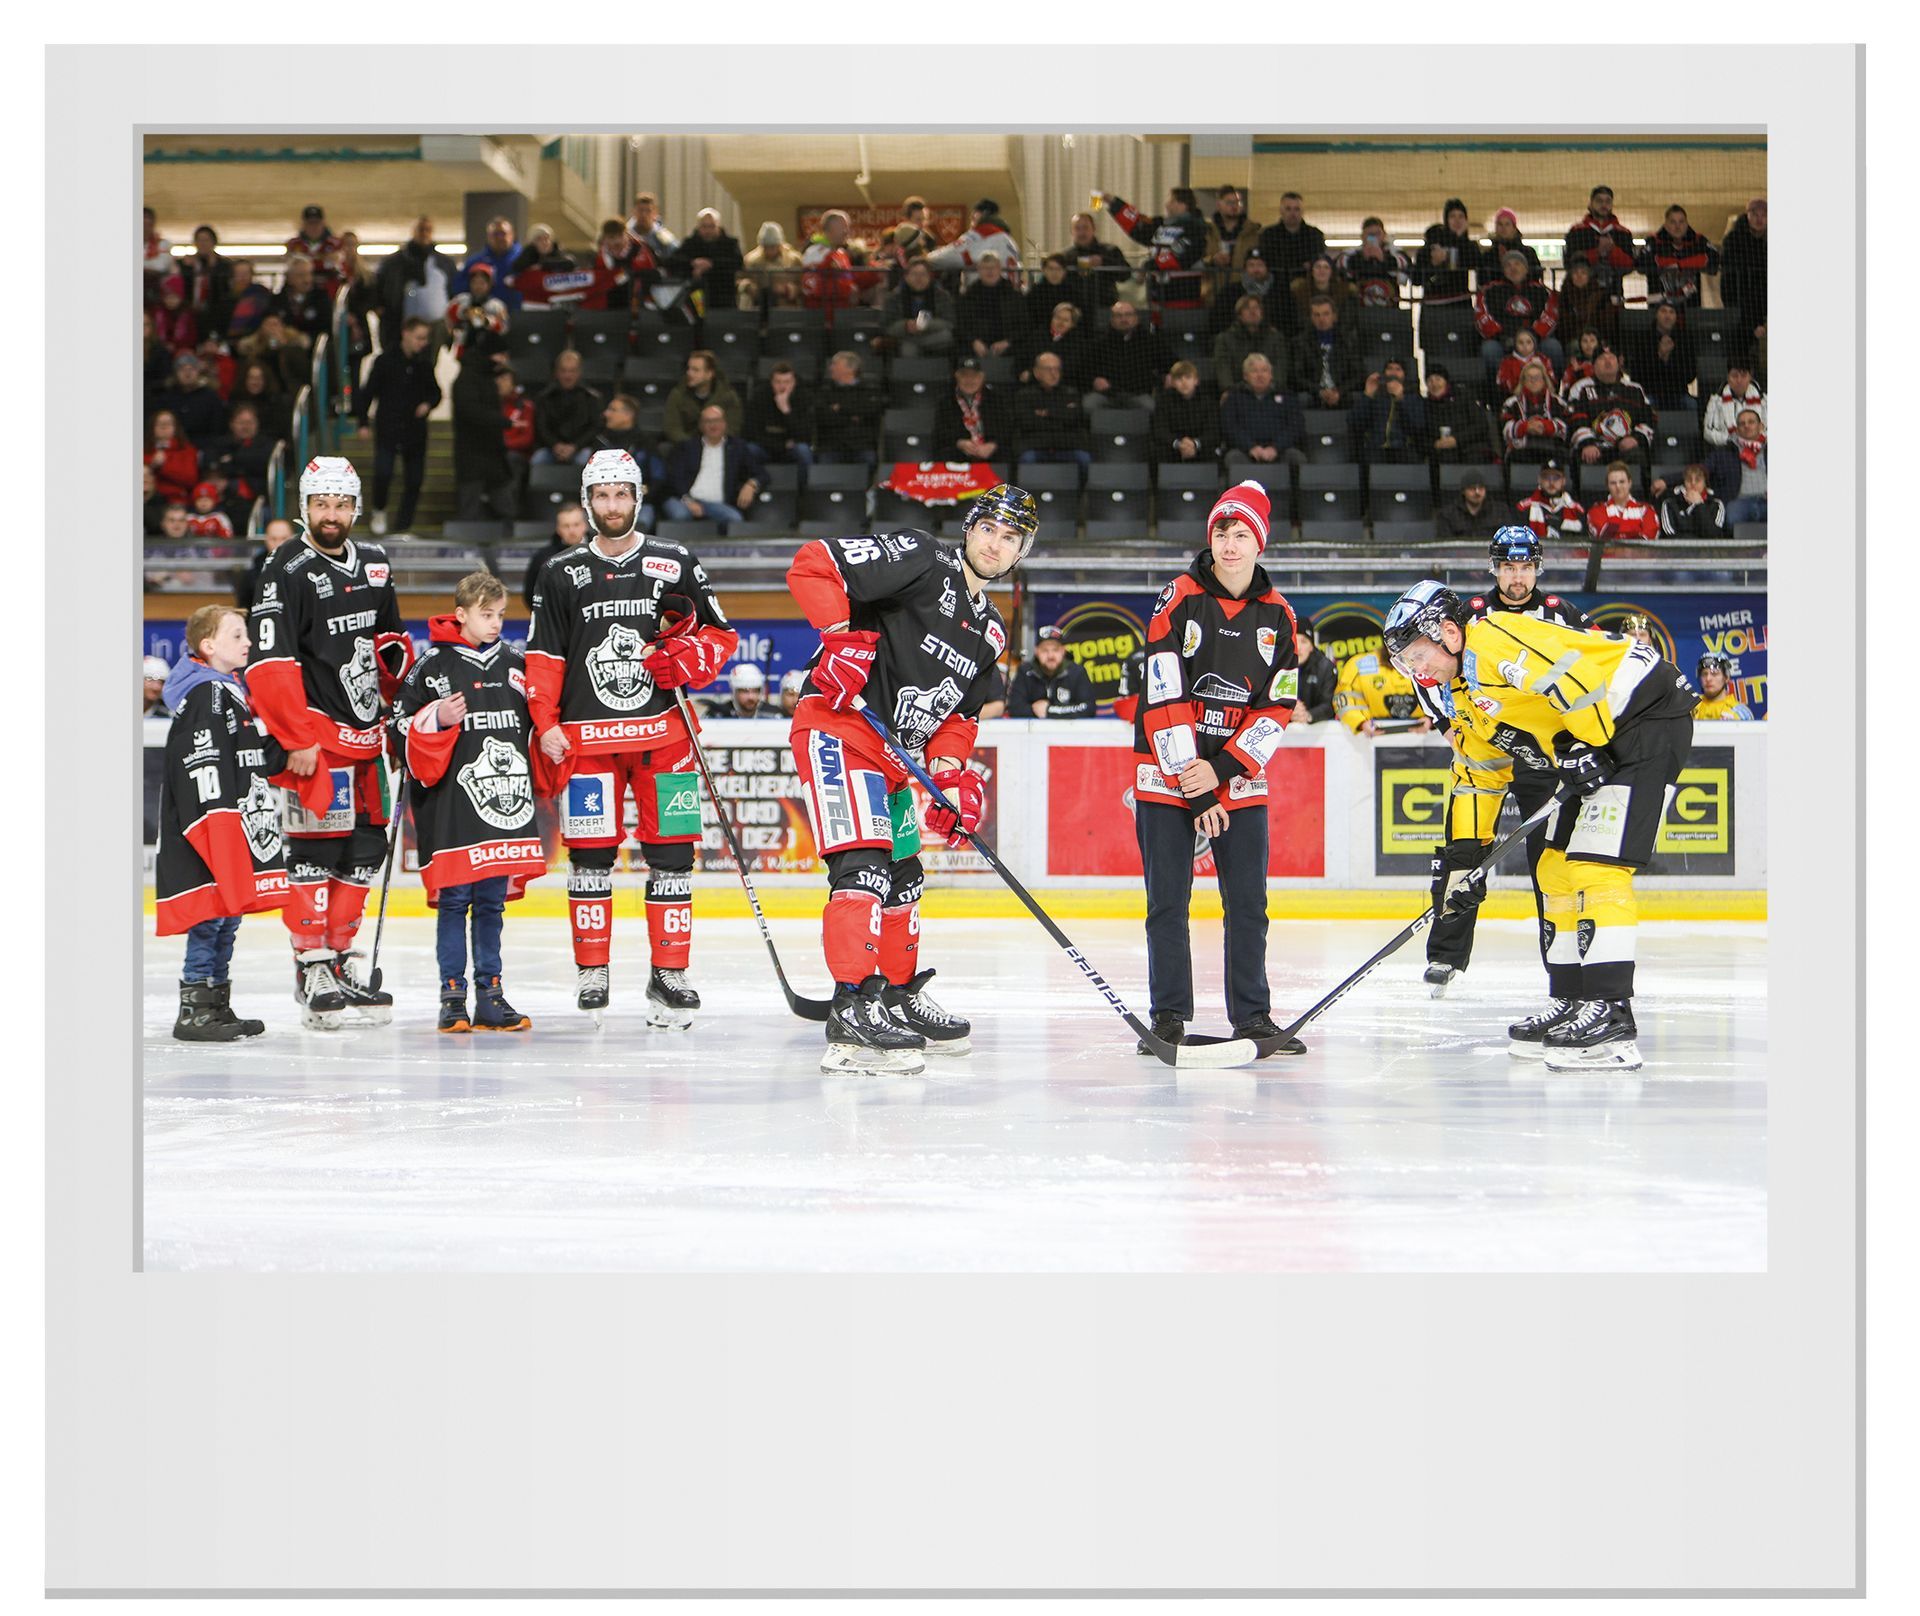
(221, 849)
(1615, 415)
(1222, 677)
(474, 785)
(938, 643)
(594, 617)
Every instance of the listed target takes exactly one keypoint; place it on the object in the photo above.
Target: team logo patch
(1265, 639)
(1284, 686)
(614, 668)
(1260, 738)
(580, 576)
(586, 808)
(322, 586)
(1211, 687)
(378, 572)
(517, 680)
(918, 711)
(1190, 641)
(1243, 786)
(260, 819)
(661, 567)
(1163, 677)
(995, 636)
(949, 598)
(360, 678)
(499, 785)
(440, 684)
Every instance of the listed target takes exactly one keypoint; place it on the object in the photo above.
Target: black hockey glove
(1582, 770)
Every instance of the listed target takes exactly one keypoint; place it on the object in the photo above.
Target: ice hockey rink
(1407, 1139)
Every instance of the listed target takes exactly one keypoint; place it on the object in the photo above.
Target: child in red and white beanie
(1250, 503)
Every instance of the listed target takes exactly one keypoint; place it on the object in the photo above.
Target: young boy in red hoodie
(465, 733)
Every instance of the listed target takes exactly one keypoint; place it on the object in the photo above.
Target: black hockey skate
(1599, 1037)
(199, 1019)
(223, 1009)
(1437, 976)
(491, 1012)
(1168, 1029)
(1266, 1027)
(366, 1004)
(1528, 1039)
(453, 1006)
(316, 990)
(670, 1002)
(591, 991)
(912, 1007)
(863, 1039)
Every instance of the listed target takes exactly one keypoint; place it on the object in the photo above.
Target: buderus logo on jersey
(260, 820)
(615, 670)
(360, 678)
(499, 785)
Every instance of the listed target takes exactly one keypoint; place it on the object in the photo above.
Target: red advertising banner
(1090, 812)
(933, 482)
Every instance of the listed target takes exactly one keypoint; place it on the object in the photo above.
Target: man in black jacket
(1260, 425)
(1470, 514)
(1130, 363)
(846, 416)
(969, 421)
(483, 481)
(417, 262)
(710, 260)
(1292, 244)
(1743, 271)
(1098, 267)
(569, 529)
(1052, 685)
(1319, 675)
(400, 391)
(1461, 429)
(715, 477)
(1049, 423)
(1327, 370)
(565, 415)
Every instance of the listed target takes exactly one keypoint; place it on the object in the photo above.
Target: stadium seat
(759, 531)
(1384, 334)
(840, 478)
(1750, 532)
(998, 369)
(780, 319)
(892, 511)
(803, 347)
(489, 531)
(650, 421)
(715, 323)
(1636, 326)
(735, 347)
(686, 532)
(781, 474)
(538, 528)
(1405, 533)
(1448, 337)
(552, 485)
(781, 505)
(603, 334)
(1712, 369)
(917, 380)
(1327, 442)
(1184, 321)
(843, 509)
(1321, 531)
(534, 336)
(1677, 437)
(806, 365)
(1590, 482)
(1188, 489)
(1329, 493)
(1400, 494)
(907, 434)
(856, 329)
(1116, 529)
(1056, 488)
(1121, 435)
(657, 333)
(1277, 480)
(650, 377)
(1711, 330)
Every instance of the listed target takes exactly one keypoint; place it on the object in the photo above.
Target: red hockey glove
(846, 658)
(963, 787)
(683, 659)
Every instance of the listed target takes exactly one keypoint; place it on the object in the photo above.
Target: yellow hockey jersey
(1723, 706)
(1372, 687)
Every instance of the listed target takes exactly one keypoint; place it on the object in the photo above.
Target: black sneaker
(1528, 1039)
(1599, 1037)
(912, 1007)
(1266, 1027)
(199, 1020)
(453, 1006)
(491, 1012)
(223, 1009)
(1169, 1029)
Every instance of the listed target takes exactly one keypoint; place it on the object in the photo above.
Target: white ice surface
(1406, 1140)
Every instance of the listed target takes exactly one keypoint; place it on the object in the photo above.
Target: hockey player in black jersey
(905, 624)
(1479, 787)
(329, 650)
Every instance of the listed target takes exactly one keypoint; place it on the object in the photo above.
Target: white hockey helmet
(793, 681)
(329, 474)
(746, 676)
(610, 466)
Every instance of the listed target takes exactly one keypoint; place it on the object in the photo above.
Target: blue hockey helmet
(1515, 542)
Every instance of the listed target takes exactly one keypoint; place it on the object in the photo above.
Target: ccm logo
(626, 729)
(661, 567)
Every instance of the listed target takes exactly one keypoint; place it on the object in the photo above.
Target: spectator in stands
(541, 248)
(920, 313)
(714, 477)
(1186, 427)
(746, 695)
(1610, 416)
(252, 303)
(1585, 302)
(1622, 515)
(1673, 260)
(846, 415)
(1098, 270)
(517, 423)
(318, 248)
(569, 530)
(1054, 285)
(700, 385)
(1586, 349)
(1550, 509)
(156, 254)
(1051, 684)
(620, 429)
(780, 418)
(1176, 244)
(1231, 235)
(399, 392)
(156, 358)
(1320, 279)
(362, 299)
(153, 684)
(1471, 513)
(622, 269)
(260, 386)
(413, 282)
(153, 503)
(1506, 239)
(987, 233)
(1327, 366)
(1050, 423)
(1512, 304)
(1260, 425)
(1376, 269)
(647, 228)
(1526, 348)
(205, 519)
(1251, 332)
(1741, 392)
(770, 271)
(246, 582)
(1666, 367)
(1128, 361)
(1447, 257)
(300, 302)
(969, 422)
(908, 240)
(709, 260)
(194, 402)
(835, 275)
(1461, 428)
(483, 480)
(1533, 422)
(288, 354)
(476, 319)
(1292, 243)
(1601, 239)
(1065, 338)
(1319, 676)
(1254, 279)
(1389, 421)
(1738, 469)
(565, 415)
(173, 521)
(1693, 510)
(498, 257)
(1743, 273)
(243, 455)
(218, 365)
(174, 325)
(992, 314)
(209, 281)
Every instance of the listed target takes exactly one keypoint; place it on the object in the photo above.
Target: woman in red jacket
(175, 462)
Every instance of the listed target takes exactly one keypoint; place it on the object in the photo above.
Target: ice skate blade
(1436, 990)
(1526, 1049)
(597, 1017)
(1623, 1056)
(324, 1020)
(849, 1060)
(369, 1016)
(663, 1019)
(949, 1046)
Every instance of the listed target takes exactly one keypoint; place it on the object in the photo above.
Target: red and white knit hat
(1248, 501)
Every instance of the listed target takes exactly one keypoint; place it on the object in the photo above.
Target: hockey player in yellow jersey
(1374, 697)
(1617, 722)
(1717, 699)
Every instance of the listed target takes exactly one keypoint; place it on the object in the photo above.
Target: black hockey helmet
(1418, 614)
(1006, 503)
(1515, 542)
(1713, 659)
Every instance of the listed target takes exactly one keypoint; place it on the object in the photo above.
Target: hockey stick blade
(1210, 1056)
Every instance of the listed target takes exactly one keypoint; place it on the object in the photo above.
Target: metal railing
(277, 479)
(323, 397)
(301, 427)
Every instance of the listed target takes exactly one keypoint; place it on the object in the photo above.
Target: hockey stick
(1426, 918)
(1209, 1054)
(386, 879)
(799, 1004)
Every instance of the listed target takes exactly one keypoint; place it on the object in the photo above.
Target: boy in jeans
(465, 735)
(221, 852)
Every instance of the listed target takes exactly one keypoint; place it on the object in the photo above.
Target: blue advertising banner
(1103, 630)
